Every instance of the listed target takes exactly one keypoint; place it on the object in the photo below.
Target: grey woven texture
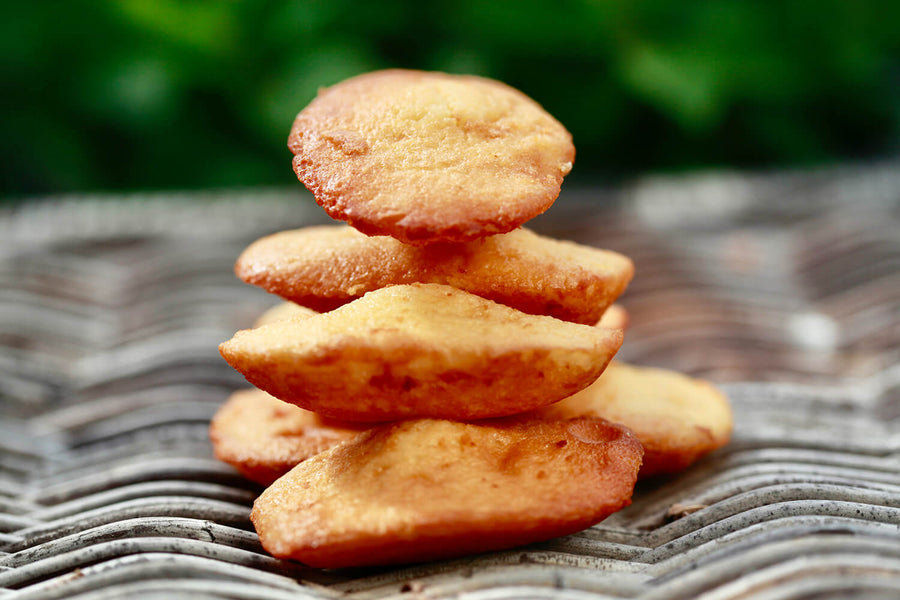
(783, 288)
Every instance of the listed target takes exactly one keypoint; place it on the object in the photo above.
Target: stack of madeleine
(439, 381)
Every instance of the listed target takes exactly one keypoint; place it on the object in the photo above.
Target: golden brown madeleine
(678, 419)
(264, 438)
(427, 157)
(421, 350)
(431, 489)
(327, 266)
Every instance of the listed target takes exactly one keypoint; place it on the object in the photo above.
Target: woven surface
(783, 288)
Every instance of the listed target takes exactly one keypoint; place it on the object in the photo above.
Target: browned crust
(421, 350)
(427, 489)
(264, 438)
(325, 267)
(428, 157)
(678, 419)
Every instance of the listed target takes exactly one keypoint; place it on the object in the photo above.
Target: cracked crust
(427, 157)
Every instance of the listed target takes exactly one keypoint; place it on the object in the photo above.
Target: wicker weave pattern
(783, 288)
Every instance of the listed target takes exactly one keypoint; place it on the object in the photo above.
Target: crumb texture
(427, 157)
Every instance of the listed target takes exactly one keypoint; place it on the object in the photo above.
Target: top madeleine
(427, 157)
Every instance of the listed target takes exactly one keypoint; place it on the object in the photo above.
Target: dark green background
(162, 94)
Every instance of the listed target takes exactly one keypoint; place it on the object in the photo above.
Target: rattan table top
(783, 288)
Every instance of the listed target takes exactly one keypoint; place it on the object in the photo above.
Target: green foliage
(124, 94)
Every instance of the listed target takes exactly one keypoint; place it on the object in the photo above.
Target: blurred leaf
(682, 85)
(112, 94)
(292, 88)
(205, 26)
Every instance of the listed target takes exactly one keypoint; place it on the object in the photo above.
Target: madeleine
(428, 157)
(264, 438)
(421, 350)
(432, 489)
(678, 419)
(327, 266)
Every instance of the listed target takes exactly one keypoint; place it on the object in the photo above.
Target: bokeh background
(164, 94)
